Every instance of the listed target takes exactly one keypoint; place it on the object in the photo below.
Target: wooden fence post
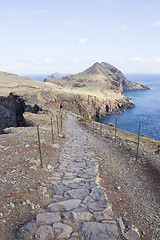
(57, 125)
(138, 141)
(116, 129)
(61, 121)
(52, 130)
(39, 145)
(101, 129)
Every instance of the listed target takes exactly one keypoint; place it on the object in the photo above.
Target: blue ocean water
(38, 77)
(147, 110)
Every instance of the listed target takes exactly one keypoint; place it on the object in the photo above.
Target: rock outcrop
(12, 108)
(11, 111)
(90, 106)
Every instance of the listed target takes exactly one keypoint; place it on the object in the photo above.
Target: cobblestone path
(80, 208)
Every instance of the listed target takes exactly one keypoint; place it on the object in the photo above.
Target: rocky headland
(95, 91)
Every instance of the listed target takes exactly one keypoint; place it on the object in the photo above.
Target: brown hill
(106, 74)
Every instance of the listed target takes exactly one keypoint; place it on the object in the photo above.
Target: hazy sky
(68, 36)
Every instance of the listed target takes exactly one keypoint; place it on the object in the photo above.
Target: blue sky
(68, 36)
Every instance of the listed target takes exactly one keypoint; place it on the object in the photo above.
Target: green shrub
(81, 119)
(88, 119)
(111, 125)
(134, 141)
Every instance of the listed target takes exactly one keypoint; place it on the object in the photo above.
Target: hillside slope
(108, 75)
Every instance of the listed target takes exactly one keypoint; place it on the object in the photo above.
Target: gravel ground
(133, 187)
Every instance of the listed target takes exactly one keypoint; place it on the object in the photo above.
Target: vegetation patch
(111, 125)
(84, 119)
(134, 141)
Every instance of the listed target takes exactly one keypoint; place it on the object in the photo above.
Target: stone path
(80, 208)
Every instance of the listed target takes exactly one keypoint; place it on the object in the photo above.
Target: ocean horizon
(147, 109)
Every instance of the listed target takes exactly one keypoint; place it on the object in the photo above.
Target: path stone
(26, 232)
(105, 215)
(78, 193)
(131, 235)
(87, 175)
(88, 185)
(59, 188)
(67, 205)
(75, 180)
(62, 230)
(44, 233)
(48, 218)
(96, 231)
(81, 216)
(88, 199)
(99, 205)
(96, 193)
(57, 198)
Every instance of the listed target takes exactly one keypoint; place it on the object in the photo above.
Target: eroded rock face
(90, 106)
(12, 108)
(11, 111)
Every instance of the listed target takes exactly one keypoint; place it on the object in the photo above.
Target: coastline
(146, 111)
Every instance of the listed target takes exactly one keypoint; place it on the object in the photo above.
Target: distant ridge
(59, 75)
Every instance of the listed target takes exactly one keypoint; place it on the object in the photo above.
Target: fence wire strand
(27, 130)
(4, 139)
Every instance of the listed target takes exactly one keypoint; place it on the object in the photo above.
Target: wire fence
(138, 142)
(25, 149)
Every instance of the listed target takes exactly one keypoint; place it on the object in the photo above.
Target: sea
(38, 77)
(146, 112)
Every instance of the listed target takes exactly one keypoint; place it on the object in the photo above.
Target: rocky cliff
(90, 106)
(11, 111)
(12, 108)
